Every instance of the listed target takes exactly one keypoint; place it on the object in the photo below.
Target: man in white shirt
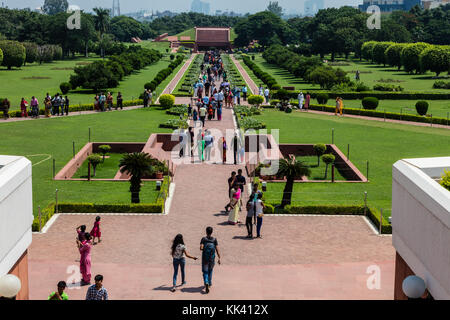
(209, 141)
(301, 98)
(266, 94)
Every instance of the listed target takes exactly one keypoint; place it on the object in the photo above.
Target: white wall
(16, 210)
(421, 221)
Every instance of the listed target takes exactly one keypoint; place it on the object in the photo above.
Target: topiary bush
(370, 103)
(13, 53)
(446, 180)
(255, 100)
(65, 87)
(104, 149)
(319, 150)
(322, 98)
(422, 107)
(167, 101)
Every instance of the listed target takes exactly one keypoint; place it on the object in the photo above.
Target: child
(95, 232)
(81, 230)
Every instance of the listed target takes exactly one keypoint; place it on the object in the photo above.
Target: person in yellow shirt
(339, 106)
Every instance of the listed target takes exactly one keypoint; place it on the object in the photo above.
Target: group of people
(103, 102)
(53, 106)
(265, 93)
(209, 246)
(205, 145)
(147, 97)
(255, 206)
(85, 241)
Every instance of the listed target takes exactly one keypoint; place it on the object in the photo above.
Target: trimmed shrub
(255, 100)
(387, 87)
(31, 52)
(13, 53)
(148, 86)
(167, 101)
(65, 87)
(370, 103)
(174, 124)
(322, 98)
(422, 107)
(441, 85)
(446, 180)
(325, 209)
(251, 123)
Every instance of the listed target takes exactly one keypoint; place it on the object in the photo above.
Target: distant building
(200, 7)
(390, 5)
(434, 3)
(313, 6)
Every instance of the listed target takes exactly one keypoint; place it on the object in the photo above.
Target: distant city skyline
(252, 6)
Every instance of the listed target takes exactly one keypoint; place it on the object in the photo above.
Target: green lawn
(160, 46)
(44, 138)
(318, 172)
(382, 144)
(14, 86)
(105, 170)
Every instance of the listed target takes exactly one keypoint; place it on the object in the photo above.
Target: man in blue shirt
(97, 291)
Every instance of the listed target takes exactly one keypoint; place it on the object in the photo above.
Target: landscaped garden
(43, 140)
(369, 152)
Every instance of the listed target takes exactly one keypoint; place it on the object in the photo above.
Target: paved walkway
(250, 83)
(304, 257)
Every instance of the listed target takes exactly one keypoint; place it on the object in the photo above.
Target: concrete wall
(16, 216)
(421, 221)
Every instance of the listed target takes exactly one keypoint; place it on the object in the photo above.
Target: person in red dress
(23, 108)
(95, 232)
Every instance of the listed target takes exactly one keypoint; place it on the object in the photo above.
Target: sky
(252, 6)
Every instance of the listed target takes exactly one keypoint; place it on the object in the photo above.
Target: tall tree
(275, 8)
(55, 6)
(102, 20)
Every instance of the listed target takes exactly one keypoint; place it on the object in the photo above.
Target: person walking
(191, 140)
(209, 142)
(23, 108)
(195, 117)
(6, 105)
(267, 95)
(240, 179)
(97, 102)
(66, 105)
(236, 148)
(259, 208)
(202, 113)
(209, 247)
(97, 291)
(223, 144)
(85, 260)
(145, 98)
(95, 232)
(234, 205)
(238, 95)
(34, 107)
(109, 101)
(150, 97)
(301, 99)
(48, 106)
(261, 91)
(251, 217)
(244, 93)
(59, 294)
(307, 101)
(119, 101)
(357, 75)
(178, 251)
(102, 100)
(341, 105)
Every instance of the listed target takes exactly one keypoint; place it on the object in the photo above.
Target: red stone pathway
(304, 257)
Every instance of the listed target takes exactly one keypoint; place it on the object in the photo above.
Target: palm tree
(137, 165)
(291, 169)
(101, 21)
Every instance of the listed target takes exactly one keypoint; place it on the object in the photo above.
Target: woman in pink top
(23, 107)
(95, 232)
(85, 259)
(233, 218)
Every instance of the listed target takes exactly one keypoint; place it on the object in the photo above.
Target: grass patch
(106, 170)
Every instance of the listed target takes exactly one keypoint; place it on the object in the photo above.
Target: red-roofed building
(212, 37)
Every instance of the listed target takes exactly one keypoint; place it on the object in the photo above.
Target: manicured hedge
(381, 114)
(325, 209)
(265, 77)
(380, 95)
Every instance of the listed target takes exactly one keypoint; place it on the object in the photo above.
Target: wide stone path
(304, 257)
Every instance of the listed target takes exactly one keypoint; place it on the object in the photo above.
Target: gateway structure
(16, 218)
(212, 37)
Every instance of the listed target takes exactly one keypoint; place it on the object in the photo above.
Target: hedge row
(80, 107)
(263, 76)
(380, 95)
(164, 73)
(381, 114)
(157, 207)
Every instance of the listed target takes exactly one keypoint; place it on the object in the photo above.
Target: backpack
(209, 252)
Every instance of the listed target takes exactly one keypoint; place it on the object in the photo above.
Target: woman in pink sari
(85, 259)
(233, 218)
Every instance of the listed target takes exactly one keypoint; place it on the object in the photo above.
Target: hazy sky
(183, 5)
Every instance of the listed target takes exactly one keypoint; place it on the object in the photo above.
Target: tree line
(344, 30)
